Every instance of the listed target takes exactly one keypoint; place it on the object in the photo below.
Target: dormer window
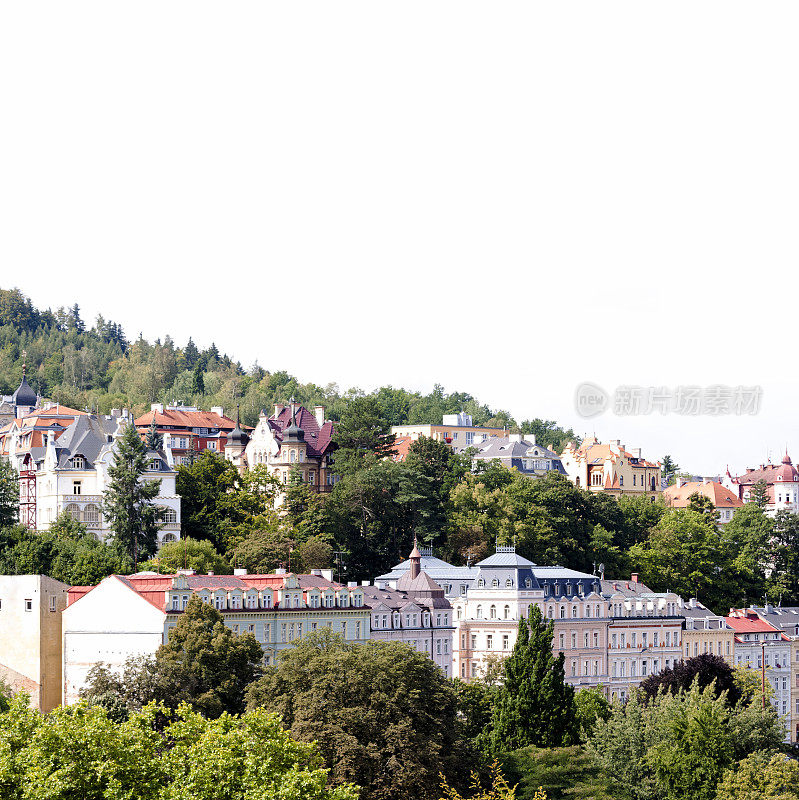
(77, 462)
(528, 583)
(509, 583)
(495, 583)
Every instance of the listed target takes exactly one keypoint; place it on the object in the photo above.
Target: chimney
(352, 584)
(327, 574)
(157, 407)
(366, 583)
(634, 577)
(278, 408)
(280, 571)
(210, 572)
(514, 437)
(317, 572)
(239, 571)
(218, 410)
(319, 413)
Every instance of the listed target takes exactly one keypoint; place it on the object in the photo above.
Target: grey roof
(781, 617)
(561, 573)
(513, 453)
(437, 569)
(24, 395)
(505, 557)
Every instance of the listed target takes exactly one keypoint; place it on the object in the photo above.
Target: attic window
(77, 462)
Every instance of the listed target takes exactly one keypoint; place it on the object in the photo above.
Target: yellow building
(611, 468)
(706, 632)
(456, 430)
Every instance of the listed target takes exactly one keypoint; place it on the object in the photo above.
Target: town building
(186, 430)
(30, 637)
(294, 439)
(69, 472)
(724, 501)
(706, 632)
(520, 452)
(416, 613)
(761, 646)
(612, 633)
(28, 433)
(455, 581)
(786, 620)
(611, 468)
(456, 430)
(130, 616)
(782, 481)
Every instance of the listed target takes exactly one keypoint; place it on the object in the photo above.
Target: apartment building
(126, 616)
(456, 430)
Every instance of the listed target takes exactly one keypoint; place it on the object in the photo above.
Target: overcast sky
(506, 198)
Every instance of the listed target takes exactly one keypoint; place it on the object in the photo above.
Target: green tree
(669, 469)
(759, 494)
(591, 706)
(783, 582)
(362, 436)
(188, 553)
(761, 777)
(203, 664)
(383, 714)
(316, 553)
(128, 502)
(9, 494)
(705, 669)
(702, 505)
(154, 440)
(534, 704)
(197, 381)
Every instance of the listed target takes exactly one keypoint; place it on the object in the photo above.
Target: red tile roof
(751, 623)
(317, 438)
(402, 445)
(185, 419)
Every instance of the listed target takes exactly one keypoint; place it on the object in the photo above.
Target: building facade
(416, 613)
(129, 616)
(706, 632)
(456, 430)
(70, 473)
(520, 452)
(30, 636)
(186, 430)
(761, 646)
(293, 439)
(782, 481)
(724, 501)
(611, 468)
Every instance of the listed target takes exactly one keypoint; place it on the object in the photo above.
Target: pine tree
(128, 501)
(197, 382)
(191, 354)
(534, 705)
(154, 441)
(759, 494)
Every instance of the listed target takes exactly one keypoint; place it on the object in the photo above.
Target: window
(562, 640)
(489, 642)
(76, 487)
(474, 642)
(170, 515)
(509, 583)
(493, 612)
(28, 604)
(77, 462)
(495, 583)
(479, 612)
(507, 612)
(52, 603)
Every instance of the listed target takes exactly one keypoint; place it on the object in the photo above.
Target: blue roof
(505, 557)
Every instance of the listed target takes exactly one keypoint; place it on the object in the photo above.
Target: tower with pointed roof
(236, 445)
(24, 398)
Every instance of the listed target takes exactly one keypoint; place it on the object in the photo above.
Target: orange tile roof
(679, 496)
(402, 445)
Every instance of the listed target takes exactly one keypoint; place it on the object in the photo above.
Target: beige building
(30, 636)
(456, 430)
(611, 468)
(706, 632)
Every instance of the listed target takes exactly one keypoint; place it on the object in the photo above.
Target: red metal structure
(27, 494)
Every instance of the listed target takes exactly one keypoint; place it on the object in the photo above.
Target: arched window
(91, 513)
(507, 612)
(563, 612)
(493, 612)
(77, 462)
(479, 612)
(73, 509)
(550, 612)
(527, 583)
(293, 456)
(170, 537)
(481, 583)
(574, 610)
(587, 610)
(509, 583)
(170, 515)
(495, 583)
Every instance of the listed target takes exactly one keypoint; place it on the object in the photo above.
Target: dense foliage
(80, 752)
(383, 715)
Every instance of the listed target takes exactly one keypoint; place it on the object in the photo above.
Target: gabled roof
(185, 419)
(318, 439)
(505, 557)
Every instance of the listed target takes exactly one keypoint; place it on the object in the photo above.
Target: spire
(416, 560)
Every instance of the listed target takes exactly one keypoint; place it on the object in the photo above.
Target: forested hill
(94, 365)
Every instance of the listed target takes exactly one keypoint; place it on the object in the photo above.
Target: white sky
(505, 198)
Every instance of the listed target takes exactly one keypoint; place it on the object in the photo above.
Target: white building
(71, 474)
(756, 640)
